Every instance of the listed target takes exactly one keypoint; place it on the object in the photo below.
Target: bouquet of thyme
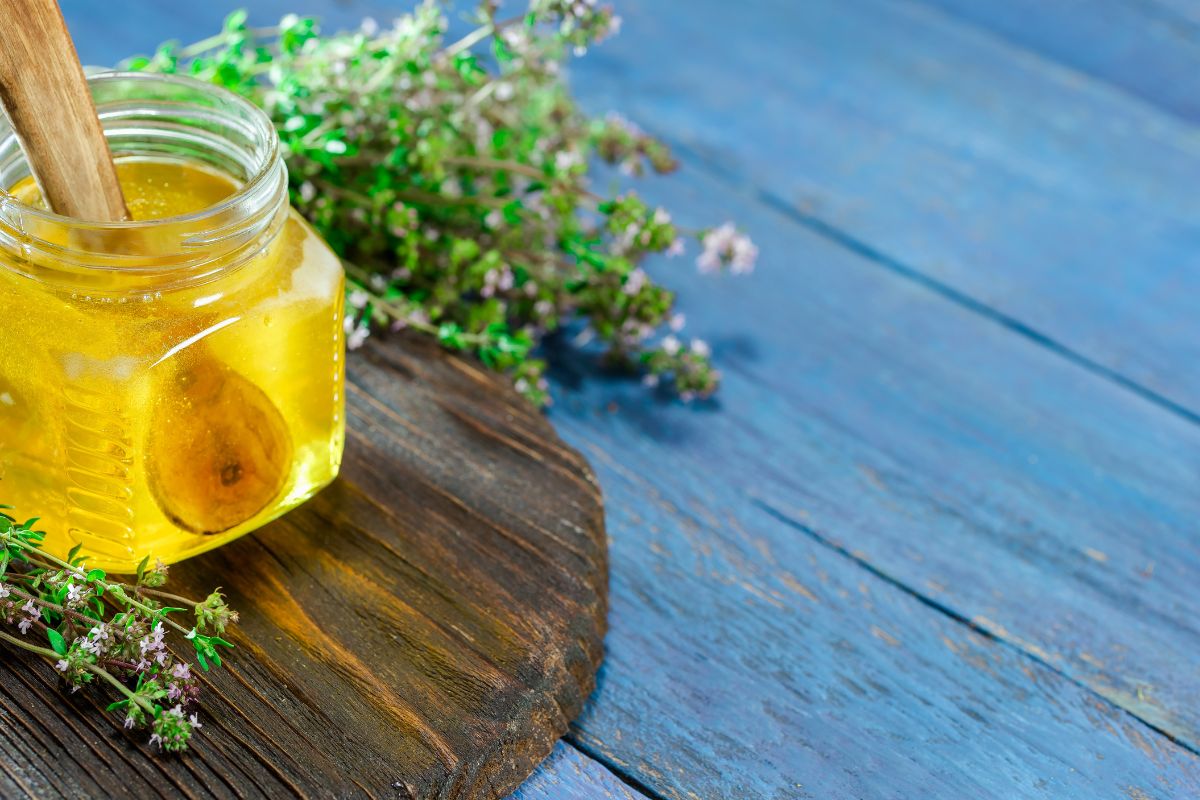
(95, 630)
(453, 180)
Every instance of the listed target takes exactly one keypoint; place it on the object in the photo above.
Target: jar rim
(249, 187)
(176, 118)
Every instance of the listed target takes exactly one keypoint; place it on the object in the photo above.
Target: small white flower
(129, 722)
(62, 665)
(3, 591)
(182, 670)
(503, 92)
(676, 248)
(708, 261)
(493, 219)
(724, 245)
(195, 721)
(634, 281)
(671, 345)
(701, 348)
(745, 254)
(358, 299)
(650, 380)
(661, 217)
(677, 321)
(154, 641)
(566, 159)
(369, 26)
(616, 120)
(355, 340)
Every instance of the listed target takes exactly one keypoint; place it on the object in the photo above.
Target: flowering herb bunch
(95, 630)
(453, 178)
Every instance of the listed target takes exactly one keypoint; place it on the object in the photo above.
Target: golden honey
(183, 389)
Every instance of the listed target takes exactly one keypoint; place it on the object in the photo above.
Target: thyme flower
(454, 180)
(98, 628)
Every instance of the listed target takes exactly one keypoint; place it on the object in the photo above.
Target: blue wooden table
(940, 534)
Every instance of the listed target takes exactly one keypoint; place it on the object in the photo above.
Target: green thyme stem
(53, 606)
(408, 196)
(497, 165)
(479, 34)
(204, 45)
(362, 277)
(167, 595)
(116, 589)
(45, 652)
(95, 669)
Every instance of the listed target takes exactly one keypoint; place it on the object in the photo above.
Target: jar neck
(163, 118)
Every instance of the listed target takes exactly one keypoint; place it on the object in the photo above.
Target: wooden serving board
(425, 627)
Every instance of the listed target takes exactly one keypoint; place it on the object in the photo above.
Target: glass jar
(170, 383)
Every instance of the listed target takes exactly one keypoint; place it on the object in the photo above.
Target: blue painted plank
(1056, 200)
(1149, 49)
(569, 775)
(865, 411)
(865, 420)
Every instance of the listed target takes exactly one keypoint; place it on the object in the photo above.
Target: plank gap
(619, 773)
(882, 260)
(949, 612)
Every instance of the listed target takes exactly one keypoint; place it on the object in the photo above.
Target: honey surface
(154, 189)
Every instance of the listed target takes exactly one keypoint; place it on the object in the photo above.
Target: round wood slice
(425, 627)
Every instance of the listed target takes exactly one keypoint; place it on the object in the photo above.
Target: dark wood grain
(426, 627)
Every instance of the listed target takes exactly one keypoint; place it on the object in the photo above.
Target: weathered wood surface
(569, 775)
(1149, 49)
(796, 569)
(1002, 481)
(1056, 204)
(426, 627)
(757, 638)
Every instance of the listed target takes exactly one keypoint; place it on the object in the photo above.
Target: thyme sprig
(454, 178)
(96, 629)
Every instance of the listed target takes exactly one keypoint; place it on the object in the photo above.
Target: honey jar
(175, 381)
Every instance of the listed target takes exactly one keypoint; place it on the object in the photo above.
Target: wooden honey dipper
(46, 96)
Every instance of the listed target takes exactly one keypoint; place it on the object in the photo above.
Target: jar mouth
(167, 117)
(108, 106)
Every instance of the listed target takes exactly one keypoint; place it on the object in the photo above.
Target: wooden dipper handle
(45, 94)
